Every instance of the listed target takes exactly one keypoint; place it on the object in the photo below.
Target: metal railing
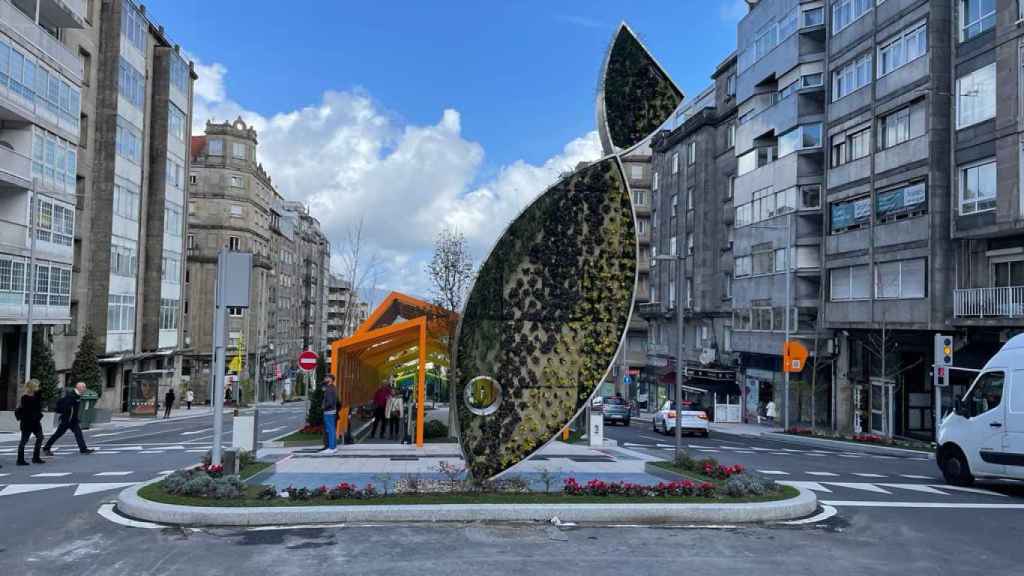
(1003, 302)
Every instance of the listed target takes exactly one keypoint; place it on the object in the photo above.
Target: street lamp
(681, 349)
(789, 303)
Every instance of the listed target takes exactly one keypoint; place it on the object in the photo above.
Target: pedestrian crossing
(887, 488)
(81, 488)
(784, 452)
(112, 449)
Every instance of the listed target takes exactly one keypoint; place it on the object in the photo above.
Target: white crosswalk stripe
(868, 475)
(916, 488)
(93, 487)
(822, 474)
(119, 473)
(774, 472)
(917, 477)
(12, 489)
(805, 484)
(51, 474)
(860, 486)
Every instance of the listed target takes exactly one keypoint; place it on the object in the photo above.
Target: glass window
(850, 214)
(852, 77)
(1006, 274)
(691, 155)
(978, 187)
(215, 147)
(905, 47)
(976, 96)
(814, 17)
(976, 16)
(176, 122)
(895, 128)
(240, 150)
(986, 394)
(846, 12)
(898, 203)
(900, 279)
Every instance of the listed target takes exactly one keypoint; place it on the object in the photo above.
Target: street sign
(627, 380)
(794, 354)
(307, 361)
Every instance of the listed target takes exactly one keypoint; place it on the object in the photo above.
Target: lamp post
(680, 349)
(789, 304)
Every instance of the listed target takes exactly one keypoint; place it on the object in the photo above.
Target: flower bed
(866, 439)
(679, 488)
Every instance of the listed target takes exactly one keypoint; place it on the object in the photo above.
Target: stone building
(235, 206)
(345, 310)
(129, 232)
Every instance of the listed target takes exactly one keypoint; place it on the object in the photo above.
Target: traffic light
(943, 350)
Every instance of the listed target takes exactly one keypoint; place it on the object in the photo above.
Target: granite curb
(131, 504)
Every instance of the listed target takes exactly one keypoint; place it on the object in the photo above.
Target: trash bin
(87, 409)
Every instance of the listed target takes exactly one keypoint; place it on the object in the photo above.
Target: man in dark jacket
(30, 417)
(168, 402)
(69, 408)
(330, 409)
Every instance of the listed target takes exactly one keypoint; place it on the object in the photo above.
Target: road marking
(826, 513)
(917, 488)
(51, 474)
(666, 445)
(860, 486)
(817, 455)
(13, 489)
(792, 450)
(966, 489)
(880, 504)
(151, 452)
(822, 474)
(269, 430)
(124, 473)
(919, 477)
(774, 472)
(107, 511)
(708, 450)
(198, 451)
(165, 472)
(4, 474)
(868, 475)
(742, 452)
(194, 432)
(849, 456)
(805, 484)
(780, 453)
(296, 527)
(93, 487)
(108, 434)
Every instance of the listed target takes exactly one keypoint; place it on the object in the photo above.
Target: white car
(691, 421)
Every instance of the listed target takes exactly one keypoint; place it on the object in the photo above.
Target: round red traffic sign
(307, 361)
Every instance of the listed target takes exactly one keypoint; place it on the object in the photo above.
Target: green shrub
(435, 429)
(748, 484)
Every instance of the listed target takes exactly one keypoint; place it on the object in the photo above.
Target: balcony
(1002, 302)
(34, 35)
(649, 309)
(15, 168)
(14, 309)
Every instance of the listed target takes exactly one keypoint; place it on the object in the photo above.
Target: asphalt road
(886, 529)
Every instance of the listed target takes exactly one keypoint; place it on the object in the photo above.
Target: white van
(984, 435)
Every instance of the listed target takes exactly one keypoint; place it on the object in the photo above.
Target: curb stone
(131, 504)
(846, 446)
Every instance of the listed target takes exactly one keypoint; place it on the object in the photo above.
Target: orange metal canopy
(364, 360)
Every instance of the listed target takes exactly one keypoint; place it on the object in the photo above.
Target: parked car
(616, 410)
(984, 435)
(690, 420)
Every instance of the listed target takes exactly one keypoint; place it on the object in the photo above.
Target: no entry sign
(307, 361)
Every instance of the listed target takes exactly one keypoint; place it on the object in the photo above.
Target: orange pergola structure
(400, 330)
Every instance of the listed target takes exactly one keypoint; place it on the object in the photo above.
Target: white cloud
(733, 10)
(350, 159)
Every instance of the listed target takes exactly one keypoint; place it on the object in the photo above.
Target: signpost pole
(219, 312)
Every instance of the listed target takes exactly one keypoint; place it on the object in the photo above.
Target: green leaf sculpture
(551, 303)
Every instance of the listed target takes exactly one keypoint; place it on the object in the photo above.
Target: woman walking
(393, 410)
(30, 417)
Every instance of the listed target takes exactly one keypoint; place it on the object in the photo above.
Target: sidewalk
(734, 428)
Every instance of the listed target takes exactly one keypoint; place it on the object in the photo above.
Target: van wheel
(955, 468)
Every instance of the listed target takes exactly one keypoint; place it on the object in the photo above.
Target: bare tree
(359, 267)
(451, 272)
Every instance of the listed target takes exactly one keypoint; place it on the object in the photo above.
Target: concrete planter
(131, 504)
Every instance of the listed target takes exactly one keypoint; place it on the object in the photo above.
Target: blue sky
(519, 79)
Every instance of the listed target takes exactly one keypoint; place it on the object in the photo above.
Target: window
(675, 162)
(743, 266)
(1006, 274)
(978, 187)
(812, 80)
(675, 204)
(86, 58)
(850, 147)
(976, 96)
(173, 222)
(126, 200)
(731, 187)
(986, 394)
(215, 147)
(903, 202)
(185, 309)
(133, 26)
(193, 179)
(730, 136)
(689, 199)
(767, 38)
(672, 246)
(175, 172)
(54, 162)
(813, 17)
(763, 262)
(730, 85)
(755, 159)
(654, 184)
(176, 122)
(846, 12)
(900, 279)
(895, 128)
(237, 182)
(905, 47)
(239, 150)
(727, 338)
(691, 153)
(976, 16)
(726, 286)
(689, 243)
(766, 205)
(850, 214)
(236, 211)
(179, 74)
(124, 258)
(52, 286)
(128, 141)
(120, 313)
(55, 222)
(850, 283)
(855, 75)
(689, 293)
(780, 260)
(234, 243)
(811, 196)
(131, 84)
(168, 314)
(170, 268)
(191, 243)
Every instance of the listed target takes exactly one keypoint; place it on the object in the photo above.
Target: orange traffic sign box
(794, 354)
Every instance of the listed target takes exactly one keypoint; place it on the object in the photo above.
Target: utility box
(245, 428)
(595, 429)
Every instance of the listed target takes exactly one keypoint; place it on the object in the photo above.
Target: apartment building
(345, 311)
(694, 178)
(234, 205)
(130, 113)
(41, 79)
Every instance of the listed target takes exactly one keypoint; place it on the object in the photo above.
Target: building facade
(345, 310)
(134, 118)
(235, 206)
(41, 83)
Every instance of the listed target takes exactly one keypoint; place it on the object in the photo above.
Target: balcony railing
(15, 166)
(1003, 302)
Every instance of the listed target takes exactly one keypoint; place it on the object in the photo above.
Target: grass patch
(253, 468)
(299, 437)
(695, 476)
(156, 493)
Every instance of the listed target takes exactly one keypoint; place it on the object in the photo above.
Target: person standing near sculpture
(380, 404)
(393, 411)
(330, 410)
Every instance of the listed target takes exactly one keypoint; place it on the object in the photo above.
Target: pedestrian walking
(330, 410)
(69, 408)
(394, 409)
(30, 419)
(769, 411)
(380, 404)
(190, 397)
(168, 403)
